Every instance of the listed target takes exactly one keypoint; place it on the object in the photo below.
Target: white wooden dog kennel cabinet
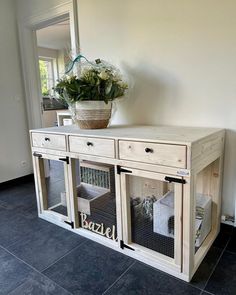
(153, 193)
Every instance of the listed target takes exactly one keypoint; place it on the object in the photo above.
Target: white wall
(14, 142)
(181, 55)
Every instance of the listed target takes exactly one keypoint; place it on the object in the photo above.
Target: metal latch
(173, 179)
(66, 159)
(123, 245)
(119, 170)
(37, 155)
(70, 223)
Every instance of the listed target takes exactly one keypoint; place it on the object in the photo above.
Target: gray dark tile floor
(37, 257)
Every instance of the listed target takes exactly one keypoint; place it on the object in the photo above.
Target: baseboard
(17, 181)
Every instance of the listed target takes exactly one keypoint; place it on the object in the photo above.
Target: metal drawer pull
(148, 150)
(89, 143)
(47, 139)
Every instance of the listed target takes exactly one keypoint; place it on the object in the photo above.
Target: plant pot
(93, 114)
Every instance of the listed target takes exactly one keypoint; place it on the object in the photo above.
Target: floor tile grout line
(21, 284)
(187, 284)
(206, 292)
(36, 218)
(69, 293)
(34, 269)
(217, 262)
(9, 293)
(173, 277)
(67, 253)
(118, 278)
(231, 252)
(12, 244)
(184, 282)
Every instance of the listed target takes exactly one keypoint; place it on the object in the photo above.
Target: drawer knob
(148, 150)
(89, 143)
(47, 139)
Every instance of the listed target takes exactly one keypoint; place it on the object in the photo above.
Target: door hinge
(66, 159)
(119, 170)
(37, 155)
(172, 179)
(71, 223)
(123, 245)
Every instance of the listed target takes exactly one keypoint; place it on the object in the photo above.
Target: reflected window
(46, 68)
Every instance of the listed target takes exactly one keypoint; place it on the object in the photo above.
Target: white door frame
(29, 55)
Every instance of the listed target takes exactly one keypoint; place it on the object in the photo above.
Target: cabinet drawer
(92, 146)
(49, 141)
(153, 153)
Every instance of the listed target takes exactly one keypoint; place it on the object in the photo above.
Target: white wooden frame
(174, 263)
(73, 201)
(42, 193)
(199, 155)
(215, 189)
(27, 36)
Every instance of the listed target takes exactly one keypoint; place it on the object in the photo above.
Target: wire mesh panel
(152, 219)
(95, 187)
(55, 195)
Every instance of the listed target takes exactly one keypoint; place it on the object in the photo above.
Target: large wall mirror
(54, 56)
(48, 42)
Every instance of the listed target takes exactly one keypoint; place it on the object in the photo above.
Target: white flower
(85, 71)
(123, 84)
(103, 75)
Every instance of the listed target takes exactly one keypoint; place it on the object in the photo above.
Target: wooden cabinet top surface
(161, 134)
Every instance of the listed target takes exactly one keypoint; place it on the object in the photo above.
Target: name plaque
(98, 228)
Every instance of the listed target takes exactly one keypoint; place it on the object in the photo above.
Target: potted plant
(90, 94)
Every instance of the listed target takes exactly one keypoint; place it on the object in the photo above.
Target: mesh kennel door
(53, 187)
(95, 194)
(152, 213)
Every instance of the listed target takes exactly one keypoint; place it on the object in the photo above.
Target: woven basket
(93, 114)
